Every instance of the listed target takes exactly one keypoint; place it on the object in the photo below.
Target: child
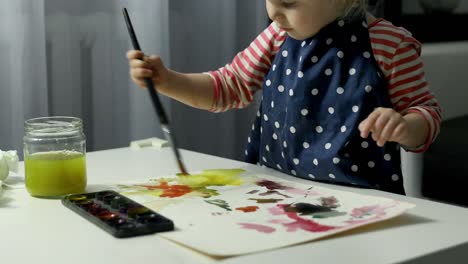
(331, 76)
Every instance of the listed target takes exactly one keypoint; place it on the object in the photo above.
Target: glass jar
(54, 156)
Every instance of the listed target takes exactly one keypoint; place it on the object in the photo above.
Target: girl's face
(302, 18)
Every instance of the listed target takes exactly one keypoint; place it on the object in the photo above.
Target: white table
(40, 231)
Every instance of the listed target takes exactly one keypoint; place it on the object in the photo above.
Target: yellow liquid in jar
(55, 173)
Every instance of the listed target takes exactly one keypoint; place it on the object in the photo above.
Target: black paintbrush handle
(156, 102)
(155, 99)
(149, 83)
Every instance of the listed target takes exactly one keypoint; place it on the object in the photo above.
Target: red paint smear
(170, 191)
(271, 185)
(248, 209)
(304, 224)
(260, 228)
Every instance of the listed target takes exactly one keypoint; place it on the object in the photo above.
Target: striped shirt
(395, 50)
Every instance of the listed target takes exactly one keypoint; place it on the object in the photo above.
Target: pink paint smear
(260, 228)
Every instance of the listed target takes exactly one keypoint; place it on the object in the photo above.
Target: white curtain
(206, 42)
(23, 74)
(67, 57)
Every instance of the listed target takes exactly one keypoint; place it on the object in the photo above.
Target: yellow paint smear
(218, 177)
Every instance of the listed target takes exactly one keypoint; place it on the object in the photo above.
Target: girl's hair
(353, 7)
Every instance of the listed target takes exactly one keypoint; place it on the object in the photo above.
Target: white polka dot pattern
(315, 97)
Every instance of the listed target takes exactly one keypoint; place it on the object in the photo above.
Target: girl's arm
(231, 86)
(192, 89)
(415, 109)
(236, 83)
(411, 97)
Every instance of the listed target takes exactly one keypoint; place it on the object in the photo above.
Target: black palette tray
(117, 214)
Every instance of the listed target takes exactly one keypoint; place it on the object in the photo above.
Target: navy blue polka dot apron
(315, 95)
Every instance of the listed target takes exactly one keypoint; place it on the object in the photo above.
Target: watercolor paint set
(117, 214)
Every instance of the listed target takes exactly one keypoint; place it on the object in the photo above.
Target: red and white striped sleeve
(236, 83)
(398, 55)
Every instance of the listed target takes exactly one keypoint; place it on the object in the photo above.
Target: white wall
(206, 42)
(413, 7)
(446, 66)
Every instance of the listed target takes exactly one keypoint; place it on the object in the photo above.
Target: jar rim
(56, 119)
(53, 126)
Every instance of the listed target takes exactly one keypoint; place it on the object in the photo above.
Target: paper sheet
(237, 213)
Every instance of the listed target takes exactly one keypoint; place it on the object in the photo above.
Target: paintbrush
(164, 121)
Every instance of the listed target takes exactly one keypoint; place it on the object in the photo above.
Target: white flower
(8, 162)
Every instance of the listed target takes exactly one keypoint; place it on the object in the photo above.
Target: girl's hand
(385, 124)
(142, 67)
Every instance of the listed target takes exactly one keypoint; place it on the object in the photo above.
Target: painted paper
(231, 212)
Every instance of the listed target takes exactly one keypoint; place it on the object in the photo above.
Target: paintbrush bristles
(183, 171)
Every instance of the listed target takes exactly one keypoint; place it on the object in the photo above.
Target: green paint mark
(156, 193)
(220, 203)
(328, 214)
(265, 200)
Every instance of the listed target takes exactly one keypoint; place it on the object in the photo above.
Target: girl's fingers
(399, 132)
(387, 131)
(381, 122)
(363, 128)
(135, 54)
(140, 73)
(366, 126)
(139, 82)
(157, 63)
(139, 64)
(384, 124)
(379, 126)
